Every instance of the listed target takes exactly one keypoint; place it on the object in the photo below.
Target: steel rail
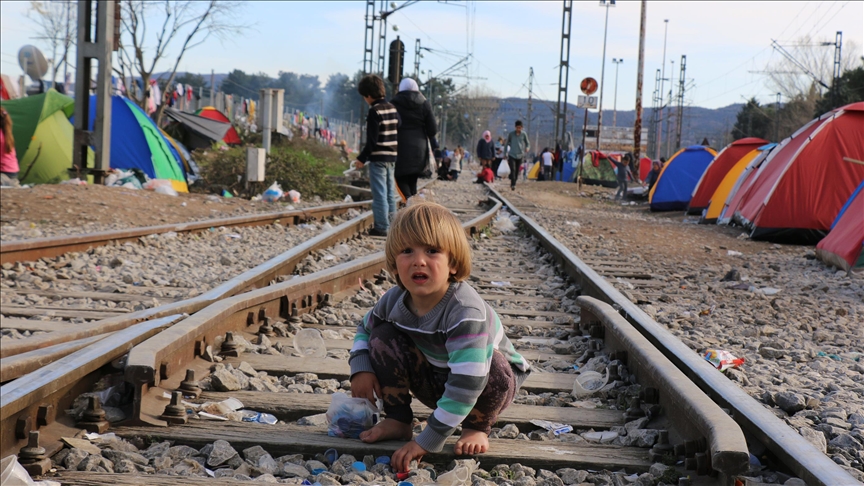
(803, 459)
(310, 290)
(36, 248)
(256, 277)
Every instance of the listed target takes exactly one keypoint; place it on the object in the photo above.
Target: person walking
(8, 158)
(548, 161)
(499, 155)
(623, 167)
(486, 149)
(416, 133)
(517, 146)
(380, 151)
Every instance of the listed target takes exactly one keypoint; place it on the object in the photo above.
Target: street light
(615, 102)
(607, 4)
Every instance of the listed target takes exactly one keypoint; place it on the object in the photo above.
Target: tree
(341, 97)
(850, 90)
(56, 23)
(192, 79)
(190, 21)
(246, 85)
(753, 120)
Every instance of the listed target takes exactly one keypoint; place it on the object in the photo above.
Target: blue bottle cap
(358, 466)
(318, 471)
(331, 455)
(382, 460)
(404, 483)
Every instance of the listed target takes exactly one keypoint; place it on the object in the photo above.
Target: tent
(742, 185)
(8, 90)
(716, 171)
(137, 143)
(43, 136)
(597, 170)
(732, 181)
(231, 137)
(644, 168)
(843, 245)
(195, 131)
(679, 177)
(804, 183)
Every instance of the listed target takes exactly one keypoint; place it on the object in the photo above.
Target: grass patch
(301, 165)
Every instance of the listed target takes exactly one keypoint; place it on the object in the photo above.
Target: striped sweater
(459, 334)
(382, 125)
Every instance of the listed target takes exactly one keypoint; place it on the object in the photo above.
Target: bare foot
(472, 442)
(388, 429)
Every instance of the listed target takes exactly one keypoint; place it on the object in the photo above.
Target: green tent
(43, 136)
(598, 170)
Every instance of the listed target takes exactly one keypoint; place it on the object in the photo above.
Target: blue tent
(679, 177)
(137, 143)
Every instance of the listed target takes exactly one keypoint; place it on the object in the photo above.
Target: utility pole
(417, 59)
(382, 37)
(668, 113)
(212, 86)
(564, 70)
(637, 128)
(607, 4)
(530, 93)
(655, 117)
(835, 84)
(777, 120)
(659, 140)
(89, 48)
(615, 102)
(679, 121)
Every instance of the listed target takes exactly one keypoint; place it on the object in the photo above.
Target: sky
(726, 43)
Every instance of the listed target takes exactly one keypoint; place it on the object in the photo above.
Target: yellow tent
(534, 173)
(718, 199)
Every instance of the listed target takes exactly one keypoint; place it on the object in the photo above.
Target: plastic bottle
(261, 418)
(310, 344)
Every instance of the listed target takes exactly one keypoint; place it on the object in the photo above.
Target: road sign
(588, 86)
(586, 102)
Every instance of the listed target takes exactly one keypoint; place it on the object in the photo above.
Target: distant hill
(699, 123)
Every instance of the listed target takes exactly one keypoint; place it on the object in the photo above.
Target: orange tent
(716, 171)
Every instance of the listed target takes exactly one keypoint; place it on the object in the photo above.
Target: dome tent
(43, 136)
(231, 137)
(679, 177)
(734, 179)
(804, 183)
(843, 245)
(717, 169)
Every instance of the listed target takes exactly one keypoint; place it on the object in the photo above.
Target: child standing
(8, 158)
(433, 336)
(382, 125)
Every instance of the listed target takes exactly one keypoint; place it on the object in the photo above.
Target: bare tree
(56, 23)
(193, 22)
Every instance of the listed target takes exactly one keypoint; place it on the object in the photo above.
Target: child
(485, 174)
(8, 158)
(433, 336)
(382, 124)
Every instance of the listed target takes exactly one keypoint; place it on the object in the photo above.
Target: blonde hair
(427, 223)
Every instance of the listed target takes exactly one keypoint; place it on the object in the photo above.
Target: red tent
(714, 174)
(644, 168)
(843, 245)
(742, 185)
(231, 137)
(801, 187)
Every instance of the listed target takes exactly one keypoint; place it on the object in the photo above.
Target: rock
(224, 260)
(732, 276)
(95, 463)
(157, 449)
(572, 476)
(125, 466)
(657, 469)
(188, 467)
(643, 437)
(224, 381)
(845, 441)
(291, 470)
(790, 402)
(639, 423)
(222, 452)
(771, 353)
(247, 369)
(116, 456)
(816, 438)
(178, 453)
(509, 431)
(73, 458)
(314, 420)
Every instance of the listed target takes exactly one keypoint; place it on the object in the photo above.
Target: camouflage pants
(402, 369)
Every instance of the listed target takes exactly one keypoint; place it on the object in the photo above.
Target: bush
(301, 165)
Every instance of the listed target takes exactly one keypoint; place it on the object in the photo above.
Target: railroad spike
(94, 417)
(295, 316)
(45, 415)
(33, 457)
(229, 347)
(175, 412)
(266, 328)
(189, 386)
(635, 411)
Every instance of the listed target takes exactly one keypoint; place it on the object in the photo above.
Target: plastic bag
(167, 190)
(504, 168)
(273, 193)
(347, 416)
(294, 196)
(722, 360)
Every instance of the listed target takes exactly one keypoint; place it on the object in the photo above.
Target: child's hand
(358, 164)
(365, 385)
(401, 460)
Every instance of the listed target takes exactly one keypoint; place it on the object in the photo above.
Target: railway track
(554, 321)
